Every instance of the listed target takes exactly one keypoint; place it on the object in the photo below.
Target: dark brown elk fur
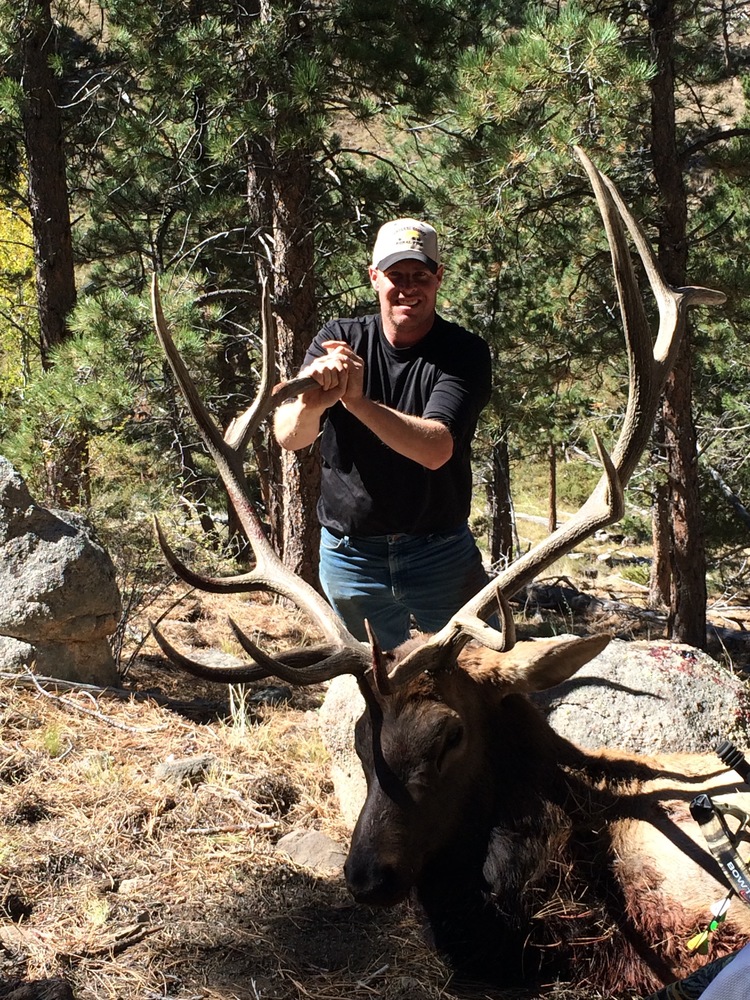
(531, 857)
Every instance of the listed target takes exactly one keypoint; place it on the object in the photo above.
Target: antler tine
(380, 678)
(687, 295)
(242, 583)
(244, 426)
(650, 362)
(239, 674)
(331, 663)
(309, 665)
(269, 573)
(269, 396)
(441, 649)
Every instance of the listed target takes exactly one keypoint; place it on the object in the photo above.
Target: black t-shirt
(369, 489)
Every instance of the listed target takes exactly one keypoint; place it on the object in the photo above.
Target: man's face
(407, 292)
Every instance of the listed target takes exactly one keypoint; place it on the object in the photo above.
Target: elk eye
(453, 738)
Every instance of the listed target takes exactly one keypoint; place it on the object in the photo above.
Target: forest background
(219, 144)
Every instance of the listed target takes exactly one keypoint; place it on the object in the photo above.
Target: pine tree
(221, 161)
(612, 84)
(28, 44)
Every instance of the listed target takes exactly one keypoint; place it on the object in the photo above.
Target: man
(399, 394)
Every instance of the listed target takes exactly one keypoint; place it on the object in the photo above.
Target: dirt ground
(130, 882)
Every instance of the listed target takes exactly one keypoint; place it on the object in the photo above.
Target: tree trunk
(500, 506)
(687, 554)
(279, 197)
(687, 616)
(660, 584)
(66, 456)
(48, 191)
(552, 490)
(294, 288)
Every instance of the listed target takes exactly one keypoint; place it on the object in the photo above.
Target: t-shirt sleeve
(462, 390)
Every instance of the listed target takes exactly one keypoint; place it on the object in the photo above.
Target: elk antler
(649, 364)
(343, 653)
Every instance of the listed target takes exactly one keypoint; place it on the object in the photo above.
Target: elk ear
(536, 664)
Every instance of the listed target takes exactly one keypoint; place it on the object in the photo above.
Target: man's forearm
(295, 425)
(427, 442)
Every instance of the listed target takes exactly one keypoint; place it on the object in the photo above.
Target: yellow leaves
(18, 316)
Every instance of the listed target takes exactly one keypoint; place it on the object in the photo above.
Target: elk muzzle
(375, 878)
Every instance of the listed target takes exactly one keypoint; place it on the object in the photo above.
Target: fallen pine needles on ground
(138, 832)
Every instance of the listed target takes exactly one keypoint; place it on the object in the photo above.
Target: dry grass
(133, 886)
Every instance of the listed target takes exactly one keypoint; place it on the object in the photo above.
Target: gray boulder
(649, 697)
(60, 600)
(342, 706)
(640, 696)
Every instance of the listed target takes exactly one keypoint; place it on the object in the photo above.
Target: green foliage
(235, 88)
(576, 479)
(575, 482)
(10, 152)
(526, 246)
(184, 124)
(105, 383)
(722, 337)
(86, 390)
(564, 78)
(636, 527)
(636, 573)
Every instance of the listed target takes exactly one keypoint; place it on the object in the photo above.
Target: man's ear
(373, 272)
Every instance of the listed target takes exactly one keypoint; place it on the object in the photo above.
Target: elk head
(426, 705)
(435, 749)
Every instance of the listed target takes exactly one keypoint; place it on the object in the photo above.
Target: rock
(313, 849)
(187, 770)
(213, 657)
(60, 597)
(639, 696)
(274, 694)
(338, 714)
(649, 697)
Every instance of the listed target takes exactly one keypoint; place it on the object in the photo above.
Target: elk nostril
(376, 885)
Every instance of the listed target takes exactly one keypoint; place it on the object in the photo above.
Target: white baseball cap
(406, 239)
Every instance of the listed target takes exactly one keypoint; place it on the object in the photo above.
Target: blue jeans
(388, 579)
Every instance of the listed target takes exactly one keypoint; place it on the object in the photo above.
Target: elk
(529, 856)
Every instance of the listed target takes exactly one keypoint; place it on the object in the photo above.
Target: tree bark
(687, 615)
(660, 583)
(687, 549)
(294, 295)
(552, 488)
(48, 191)
(500, 506)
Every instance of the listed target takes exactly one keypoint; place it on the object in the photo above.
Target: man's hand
(340, 376)
(340, 354)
